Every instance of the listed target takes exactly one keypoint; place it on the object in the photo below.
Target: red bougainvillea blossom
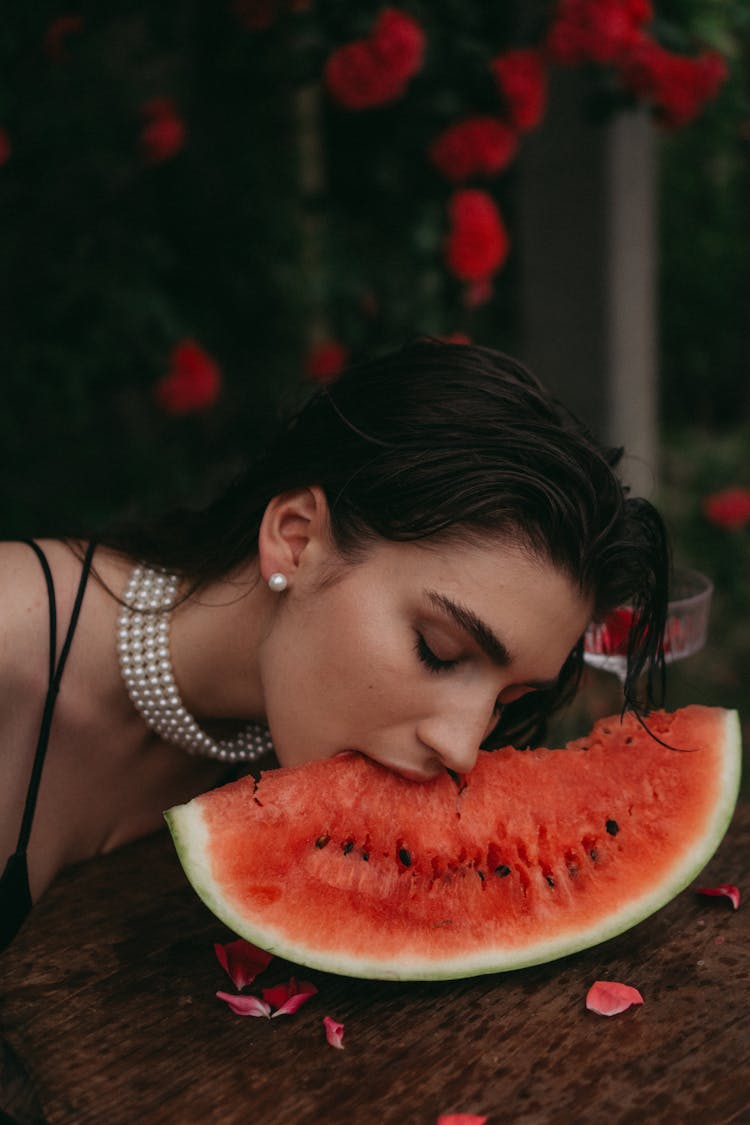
(521, 78)
(326, 360)
(723, 890)
(241, 960)
(59, 31)
(163, 133)
(334, 1032)
(600, 31)
(376, 70)
(477, 244)
(192, 382)
(6, 148)
(476, 146)
(677, 86)
(729, 508)
(608, 998)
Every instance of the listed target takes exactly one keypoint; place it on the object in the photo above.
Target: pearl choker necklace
(146, 666)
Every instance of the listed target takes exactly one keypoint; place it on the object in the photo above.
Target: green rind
(190, 839)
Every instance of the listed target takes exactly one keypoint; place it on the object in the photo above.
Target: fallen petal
(607, 997)
(246, 1005)
(241, 960)
(728, 890)
(297, 995)
(461, 1119)
(278, 995)
(334, 1032)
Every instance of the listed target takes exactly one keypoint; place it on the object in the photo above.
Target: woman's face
(409, 655)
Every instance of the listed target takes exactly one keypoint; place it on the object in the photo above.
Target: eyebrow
(488, 641)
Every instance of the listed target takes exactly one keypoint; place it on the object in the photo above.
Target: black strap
(55, 676)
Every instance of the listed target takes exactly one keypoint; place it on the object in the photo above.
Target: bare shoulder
(25, 610)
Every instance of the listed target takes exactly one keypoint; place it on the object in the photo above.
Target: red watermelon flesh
(343, 866)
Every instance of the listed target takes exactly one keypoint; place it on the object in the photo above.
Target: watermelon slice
(343, 866)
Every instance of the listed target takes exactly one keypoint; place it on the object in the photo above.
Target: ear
(294, 531)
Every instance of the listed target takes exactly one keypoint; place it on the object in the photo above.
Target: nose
(455, 740)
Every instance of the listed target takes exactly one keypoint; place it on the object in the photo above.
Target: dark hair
(449, 441)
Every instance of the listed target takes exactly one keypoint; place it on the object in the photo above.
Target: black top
(15, 897)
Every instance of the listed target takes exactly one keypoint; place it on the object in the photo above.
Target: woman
(407, 572)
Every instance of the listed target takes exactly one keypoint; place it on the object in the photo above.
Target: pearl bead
(142, 643)
(277, 582)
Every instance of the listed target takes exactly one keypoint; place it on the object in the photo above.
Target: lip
(410, 773)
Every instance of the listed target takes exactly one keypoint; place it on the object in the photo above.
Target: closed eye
(430, 659)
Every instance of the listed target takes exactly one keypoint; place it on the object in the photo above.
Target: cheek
(337, 666)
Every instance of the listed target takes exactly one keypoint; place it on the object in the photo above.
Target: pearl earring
(277, 582)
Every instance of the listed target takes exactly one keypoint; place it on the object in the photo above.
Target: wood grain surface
(108, 1014)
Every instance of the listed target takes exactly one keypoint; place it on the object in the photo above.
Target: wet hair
(451, 443)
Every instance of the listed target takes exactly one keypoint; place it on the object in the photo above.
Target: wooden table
(109, 1016)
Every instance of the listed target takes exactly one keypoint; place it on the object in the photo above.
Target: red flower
(477, 244)
(599, 31)
(163, 133)
(6, 148)
(374, 71)
(326, 360)
(729, 508)
(477, 146)
(521, 78)
(59, 30)
(677, 86)
(192, 382)
(398, 41)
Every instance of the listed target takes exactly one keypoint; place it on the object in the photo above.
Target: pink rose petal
(334, 1032)
(287, 998)
(728, 890)
(461, 1119)
(242, 961)
(607, 997)
(246, 1005)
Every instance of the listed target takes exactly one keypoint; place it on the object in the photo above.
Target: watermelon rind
(191, 838)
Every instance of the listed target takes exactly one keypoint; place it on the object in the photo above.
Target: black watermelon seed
(502, 870)
(322, 841)
(347, 847)
(404, 856)
(365, 855)
(594, 854)
(480, 874)
(550, 880)
(572, 870)
(612, 827)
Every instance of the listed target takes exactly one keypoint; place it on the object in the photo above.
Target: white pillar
(587, 245)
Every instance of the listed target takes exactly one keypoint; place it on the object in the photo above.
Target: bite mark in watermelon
(340, 865)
